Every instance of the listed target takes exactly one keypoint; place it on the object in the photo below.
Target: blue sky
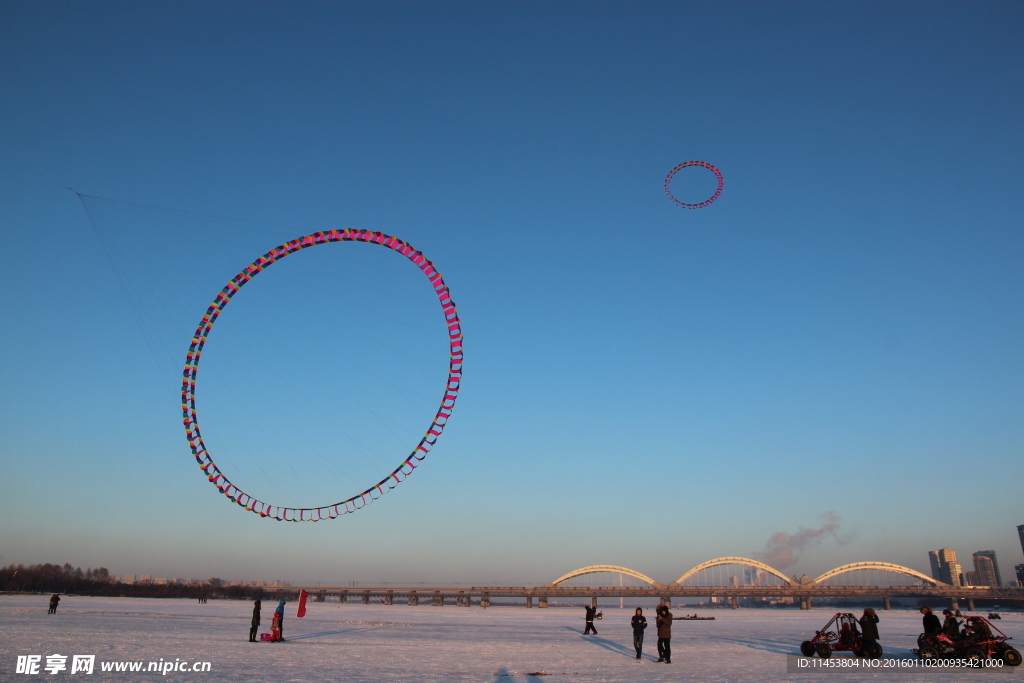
(644, 385)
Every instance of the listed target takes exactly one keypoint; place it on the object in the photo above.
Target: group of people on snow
(950, 627)
(663, 622)
(276, 622)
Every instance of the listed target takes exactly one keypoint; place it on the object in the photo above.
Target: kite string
(120, 277)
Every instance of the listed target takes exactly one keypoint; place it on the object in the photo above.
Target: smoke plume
(782, 549)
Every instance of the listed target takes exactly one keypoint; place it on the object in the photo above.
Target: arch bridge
(603, 569)
(723, 561)
(754, 564)
(882, 566)
(802, 590)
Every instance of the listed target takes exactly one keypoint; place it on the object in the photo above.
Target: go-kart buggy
(841, 634)
(979, 640)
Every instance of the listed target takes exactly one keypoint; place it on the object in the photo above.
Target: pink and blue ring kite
(668, 182)
(188, 384)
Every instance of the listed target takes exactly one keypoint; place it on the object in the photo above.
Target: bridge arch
(719, 561)
(605, 568)
(884, 566)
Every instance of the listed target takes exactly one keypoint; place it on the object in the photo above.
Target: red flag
(302, 604)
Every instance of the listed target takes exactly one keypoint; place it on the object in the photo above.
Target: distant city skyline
(132, 579)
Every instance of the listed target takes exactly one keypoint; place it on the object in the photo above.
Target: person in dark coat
(639, 623)
(54, 599)
(950, 626)
(869, 627)
(664, 623)
(591, 613)
(931, 622)
(255, 621)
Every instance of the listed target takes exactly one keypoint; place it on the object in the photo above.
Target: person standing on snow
(255, 621)
(639, 623)
(591, 612)
(869, 627)
(664, 622)
(54, 599)
(279, 616)
(275, 628)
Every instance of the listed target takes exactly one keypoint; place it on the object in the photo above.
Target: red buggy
(841, 634)
(979, 640)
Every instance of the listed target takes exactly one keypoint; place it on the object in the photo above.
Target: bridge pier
(805, 602)
(366, 597)
(593, 602)
(438, 599)
(413, 598)
(970, 604)
(485, 600)
(886, 604)
(529, 601)
(953, 604)
(343, 597)
(321, 596)
(542, 602)
(389, 598)
(666, 600)
(732, 602)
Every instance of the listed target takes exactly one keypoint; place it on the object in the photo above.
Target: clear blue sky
(644, 385)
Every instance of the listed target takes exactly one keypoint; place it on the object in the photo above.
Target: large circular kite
(188, 384)
(668, 183)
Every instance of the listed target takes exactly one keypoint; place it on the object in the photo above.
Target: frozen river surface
(362, 643)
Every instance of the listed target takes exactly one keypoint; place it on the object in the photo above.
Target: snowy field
(360, 643)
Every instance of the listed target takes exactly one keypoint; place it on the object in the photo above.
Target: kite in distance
(668, 184)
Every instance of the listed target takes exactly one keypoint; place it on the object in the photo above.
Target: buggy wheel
(1010, 657)
(873, 651)
(807, 648)
(974, 654)
(823, 650)
(927, 652)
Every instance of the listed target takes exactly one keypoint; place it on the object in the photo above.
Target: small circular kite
(451, 392)
(668, 183)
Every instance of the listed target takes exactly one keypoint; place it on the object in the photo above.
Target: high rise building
(1020, 574)
(984, 572)
(996, 577)
(936, 563)
(1020, 534)
(945, 568)
(955, 576)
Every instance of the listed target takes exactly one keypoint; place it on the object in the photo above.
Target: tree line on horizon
(55, 578)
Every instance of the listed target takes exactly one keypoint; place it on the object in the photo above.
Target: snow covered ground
(361, 643)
